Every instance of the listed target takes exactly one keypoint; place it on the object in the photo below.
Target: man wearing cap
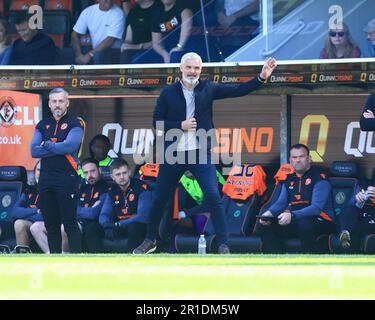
(370, 30)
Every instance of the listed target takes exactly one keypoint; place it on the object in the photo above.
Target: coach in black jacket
(367, 121)
(185, 107)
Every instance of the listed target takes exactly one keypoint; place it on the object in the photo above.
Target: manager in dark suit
(185, 107)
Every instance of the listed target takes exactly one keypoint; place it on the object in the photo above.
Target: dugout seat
(343, 182)
(13, 180)
(240, 219)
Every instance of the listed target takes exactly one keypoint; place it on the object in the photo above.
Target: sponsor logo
(148, 81)
(307, 182)
(47, 84)
(234, 79)
(237, 213)
(286, 79)
(8, 85)
(93, 83)
(64, 126)
(335, 78)
(6, 201)
(357, 147)
(340, 197)
(8, 111)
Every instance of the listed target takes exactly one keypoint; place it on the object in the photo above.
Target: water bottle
(366, 196)
(202, 244)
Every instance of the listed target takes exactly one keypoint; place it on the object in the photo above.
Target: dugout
(314, 102)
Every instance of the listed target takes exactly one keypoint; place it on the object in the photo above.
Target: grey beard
(190, 81)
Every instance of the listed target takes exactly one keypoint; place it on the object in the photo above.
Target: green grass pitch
(162, 276)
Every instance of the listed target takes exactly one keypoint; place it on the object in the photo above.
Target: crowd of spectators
(152, 31)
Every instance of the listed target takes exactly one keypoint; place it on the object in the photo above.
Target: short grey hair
(58, 90)
(191, 55)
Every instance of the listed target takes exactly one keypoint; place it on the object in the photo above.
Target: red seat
(2, 8)
(58, 39)
(22, 4)
(119, 2)
(59, 5)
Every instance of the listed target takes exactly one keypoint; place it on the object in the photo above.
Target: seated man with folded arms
(93, 191)
(120, 216)
(303, 209)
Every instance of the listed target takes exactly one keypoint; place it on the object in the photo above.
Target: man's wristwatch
(179, 45)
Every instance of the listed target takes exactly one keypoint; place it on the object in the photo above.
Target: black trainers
(4, 249)
(223, 249)
(147, 246)
(22, 249)
(345, 239)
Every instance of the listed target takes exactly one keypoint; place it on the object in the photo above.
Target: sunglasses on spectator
(334, 34)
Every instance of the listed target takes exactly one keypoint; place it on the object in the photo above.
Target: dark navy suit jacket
(171, 105)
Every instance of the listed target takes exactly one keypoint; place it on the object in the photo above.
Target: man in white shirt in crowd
(105, 23)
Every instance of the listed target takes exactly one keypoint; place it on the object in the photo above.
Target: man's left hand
(268, 68)
(285, 218)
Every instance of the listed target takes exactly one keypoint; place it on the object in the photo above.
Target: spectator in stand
(4, 42)
(127, 5)
(171, 31)
(104, 22)
(138, 30)
(367, 121)
(339, 45)
(303, 208)
(33, 47)
(242, 15)
(26, 211)
(120, 215)
(93, 192)
(370, 30)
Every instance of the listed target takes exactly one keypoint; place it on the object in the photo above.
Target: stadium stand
(22, 4)
(57, 25)
(65, 5)
(13, 180)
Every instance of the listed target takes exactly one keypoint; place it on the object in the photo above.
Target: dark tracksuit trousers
(168, 178)
(58, 204)
(94, 234)
(307, 229)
